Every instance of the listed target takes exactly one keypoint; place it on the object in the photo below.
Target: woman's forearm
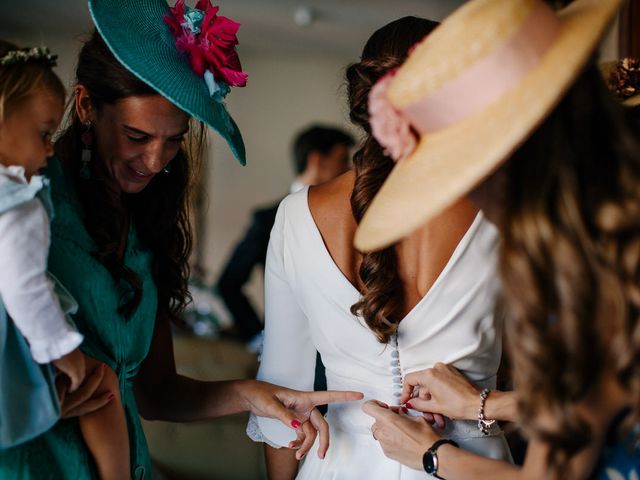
(500, 406)
(183, 399)
(163, 394)
(456, 463)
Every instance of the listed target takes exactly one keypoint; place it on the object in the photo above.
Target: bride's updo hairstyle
(382, 297)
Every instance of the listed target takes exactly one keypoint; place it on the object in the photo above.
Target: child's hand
(73, 366)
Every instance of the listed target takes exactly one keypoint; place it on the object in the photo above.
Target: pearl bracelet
(484, 425)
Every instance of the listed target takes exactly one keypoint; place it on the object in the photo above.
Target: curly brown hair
(382, 296)
(570, 263)
(160, 213)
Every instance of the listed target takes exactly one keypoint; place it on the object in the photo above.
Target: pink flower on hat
(388, 126)
(209, 40)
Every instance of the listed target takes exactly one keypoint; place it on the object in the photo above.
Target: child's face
(25, 136)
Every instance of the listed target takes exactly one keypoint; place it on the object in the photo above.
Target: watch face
(429, 462)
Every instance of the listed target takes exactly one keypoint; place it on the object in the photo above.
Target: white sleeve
(26, 291)
(288, 356)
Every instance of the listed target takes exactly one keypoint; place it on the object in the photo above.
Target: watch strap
(430, 457)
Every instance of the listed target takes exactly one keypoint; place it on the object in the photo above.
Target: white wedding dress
(307, 308)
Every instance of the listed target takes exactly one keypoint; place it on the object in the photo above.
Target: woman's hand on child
(73, 366)
(83, 400)
(296, 410)
(440, 390)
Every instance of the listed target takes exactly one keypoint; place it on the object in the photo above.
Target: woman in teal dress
(121, 236)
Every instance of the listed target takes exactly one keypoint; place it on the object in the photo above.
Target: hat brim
(448, 163)
(136, 34)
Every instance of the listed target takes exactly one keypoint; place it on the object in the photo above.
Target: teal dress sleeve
(122, 343)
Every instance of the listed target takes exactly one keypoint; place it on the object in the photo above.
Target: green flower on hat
(193, 19)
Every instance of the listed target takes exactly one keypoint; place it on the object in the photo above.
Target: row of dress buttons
(396, 371)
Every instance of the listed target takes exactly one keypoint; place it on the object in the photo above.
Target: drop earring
(167, 169)
(87, 141)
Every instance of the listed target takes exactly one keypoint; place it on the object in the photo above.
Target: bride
(376, 317)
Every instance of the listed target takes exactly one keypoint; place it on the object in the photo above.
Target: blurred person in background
(320, 153)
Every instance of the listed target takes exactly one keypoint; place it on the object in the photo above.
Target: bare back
(421, 256)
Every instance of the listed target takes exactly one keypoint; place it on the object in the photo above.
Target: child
(31, 106)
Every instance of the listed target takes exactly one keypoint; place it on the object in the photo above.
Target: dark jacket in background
(249, 253)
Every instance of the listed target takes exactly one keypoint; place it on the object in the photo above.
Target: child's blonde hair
(20, 80)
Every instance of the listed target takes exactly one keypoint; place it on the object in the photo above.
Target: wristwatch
(430, 457)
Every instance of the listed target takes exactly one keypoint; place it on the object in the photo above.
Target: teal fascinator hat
(186, 54)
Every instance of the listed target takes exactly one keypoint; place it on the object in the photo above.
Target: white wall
(284, 94)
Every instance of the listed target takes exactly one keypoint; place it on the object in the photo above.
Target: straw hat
(474, 89)
(136, 33)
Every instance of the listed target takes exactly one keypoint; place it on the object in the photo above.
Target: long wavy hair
(159, 213)
(382, 297)
(570, 263)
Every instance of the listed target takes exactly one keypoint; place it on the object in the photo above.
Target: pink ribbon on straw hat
(484, 82)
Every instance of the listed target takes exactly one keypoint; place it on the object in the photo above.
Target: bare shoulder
(332, 199)
(330, 206)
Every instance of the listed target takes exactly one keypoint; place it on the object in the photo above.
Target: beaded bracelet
(484, 425)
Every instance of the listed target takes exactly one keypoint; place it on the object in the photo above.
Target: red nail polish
(405, 410)
(111, 397)
(409, 405)
(295, 424)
